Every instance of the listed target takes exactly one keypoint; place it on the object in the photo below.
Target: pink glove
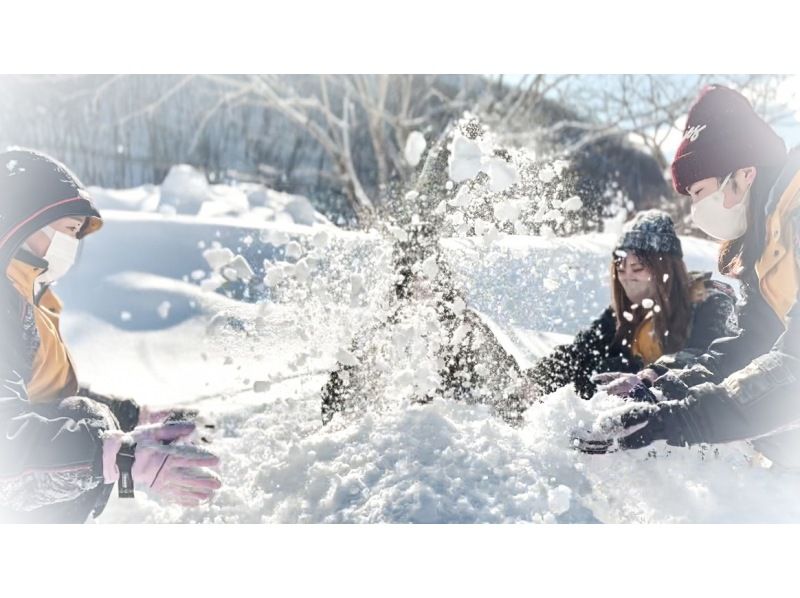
(177, 472)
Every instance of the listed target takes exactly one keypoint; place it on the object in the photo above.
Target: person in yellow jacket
(62, 448)
(745, 192)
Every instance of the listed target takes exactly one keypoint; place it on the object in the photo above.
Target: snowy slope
(442, 462)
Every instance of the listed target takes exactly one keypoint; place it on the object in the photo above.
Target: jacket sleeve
(715, 318)
(126, 411)
(45, 457)
(759, 400)
(590, 352)
(759, 328)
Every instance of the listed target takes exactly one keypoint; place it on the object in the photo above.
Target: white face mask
(60, 256)
(713, 218)
(637, 290)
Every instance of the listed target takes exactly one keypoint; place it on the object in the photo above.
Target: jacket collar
(23, 270)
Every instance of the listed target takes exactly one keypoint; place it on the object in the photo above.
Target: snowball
(415, 147)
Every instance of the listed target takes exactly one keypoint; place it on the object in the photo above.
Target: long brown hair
(737, 258)
(672, 296)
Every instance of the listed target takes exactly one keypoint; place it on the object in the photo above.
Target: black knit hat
(723, 134)
(36, 190)
(650, 231)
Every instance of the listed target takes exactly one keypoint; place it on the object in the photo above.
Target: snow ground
(441, 462)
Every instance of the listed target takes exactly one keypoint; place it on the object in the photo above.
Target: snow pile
(185, 190)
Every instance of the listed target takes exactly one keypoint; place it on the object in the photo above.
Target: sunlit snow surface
(259, 368)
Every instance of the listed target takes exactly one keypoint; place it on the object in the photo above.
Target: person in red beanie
(745, 192)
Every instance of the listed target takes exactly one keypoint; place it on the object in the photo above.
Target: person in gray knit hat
(659, 313)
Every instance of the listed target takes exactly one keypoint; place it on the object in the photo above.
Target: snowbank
(185, 190)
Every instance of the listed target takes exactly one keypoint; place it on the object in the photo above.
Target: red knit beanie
(723, 133)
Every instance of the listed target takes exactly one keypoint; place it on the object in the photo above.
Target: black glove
(635, 425)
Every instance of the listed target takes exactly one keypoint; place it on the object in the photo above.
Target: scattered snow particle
(666, 277)
(465, 159)
(320, 239)
(218, 258)
(241, 268)
(628, 316)
(125, 316)
(657, 309)
(345, 357)
(274, 276)
(293, 250)
(302, 271)
(261, 386)
(198, 274)
(573, 204)
(163, 309)
(648, 303)
(558, 499)
(415, 147)
(398, 233)
(547, 174)
(502, 174)
(430, 268)
(550, 284)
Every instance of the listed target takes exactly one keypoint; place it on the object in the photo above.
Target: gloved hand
(163, 466)
(621, 384)
(620, 428)
(205, 425)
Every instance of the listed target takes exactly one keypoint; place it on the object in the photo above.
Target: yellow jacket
(777, 268)
(53, 373)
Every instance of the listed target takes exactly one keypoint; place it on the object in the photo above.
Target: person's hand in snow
(205, 425)
(626, 385)
(638, 423)
(163, 464)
